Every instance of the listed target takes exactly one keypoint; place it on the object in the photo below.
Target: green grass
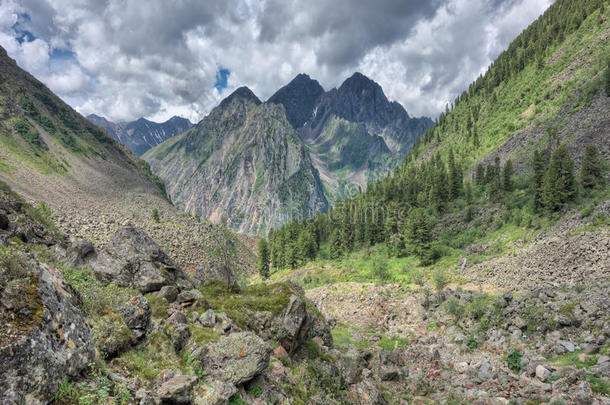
(571, 359)
(344, 334)
(239, 303)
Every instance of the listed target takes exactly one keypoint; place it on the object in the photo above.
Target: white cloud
(160, 59)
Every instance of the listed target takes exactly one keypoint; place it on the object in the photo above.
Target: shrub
(381, 268)
(455, 308)
(441, 279)
(155, 215)
(513, 360)
(414, 275)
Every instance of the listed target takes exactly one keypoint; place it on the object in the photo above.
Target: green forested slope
(492, 164)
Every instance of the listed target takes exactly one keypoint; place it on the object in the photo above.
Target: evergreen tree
(419, 234)
(507, 173)
(592, 173)
(336, 249)
(263, 258)
(559, 185)
(307, 248)
(480, 175)
(539, 165)
(607, 79)
(455, 177)
(468, 191)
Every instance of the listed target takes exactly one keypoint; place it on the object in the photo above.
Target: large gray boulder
(44, 336)
(133, 259)
(236, 358)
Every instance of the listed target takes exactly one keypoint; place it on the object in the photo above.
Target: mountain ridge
(142, 134)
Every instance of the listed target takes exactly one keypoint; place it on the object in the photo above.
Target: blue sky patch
(222, 75)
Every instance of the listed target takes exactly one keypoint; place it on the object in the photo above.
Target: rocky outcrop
(237, 358)
(137, 313)
(132, 259)
(45, 337)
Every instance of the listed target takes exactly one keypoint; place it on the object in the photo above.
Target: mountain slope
(244, 161)
(142, 134)
(493, 192)
(92, 184)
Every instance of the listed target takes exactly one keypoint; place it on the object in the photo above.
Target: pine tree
(263, 258)
(539, 166)
(480, 175)
(468, 191)
(419, 234)
(455, 177)
(592, 173)
(336, 250)
(607, 79)
(559, 185)
(507, 173)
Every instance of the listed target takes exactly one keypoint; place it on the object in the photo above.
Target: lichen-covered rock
(133, 259)
(215, 393)
(177, 390)
(44, 342)
(236, 358)
(137, 313)
(364, 393)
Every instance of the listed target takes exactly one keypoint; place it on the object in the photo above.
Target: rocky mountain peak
(244, 94)
(299, 98)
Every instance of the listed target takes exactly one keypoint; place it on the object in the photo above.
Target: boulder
(133, 259)
(137, 313)
(364, 393)
(349, 364)
(79, 253)
(43, 342)
(542, 373)
(177, 390)
(208, 318)
(215, 393)
(189, 297)
(236, 358)
(169, 292)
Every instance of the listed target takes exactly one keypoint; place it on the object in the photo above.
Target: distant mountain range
(141, 135)
(260, 165)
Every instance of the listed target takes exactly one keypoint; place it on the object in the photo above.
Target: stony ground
(99, 197)
(446, 352)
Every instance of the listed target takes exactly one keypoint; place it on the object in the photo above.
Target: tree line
(402, 210)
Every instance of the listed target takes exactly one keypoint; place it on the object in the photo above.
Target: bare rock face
(243, 161)
(133, 259)
(237, 358)
(45, 337)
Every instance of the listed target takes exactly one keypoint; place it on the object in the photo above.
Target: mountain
(299, 98)
(503, 189)
(264, 164)
(92, 184)
(244, 161)
(354, 133)
(142, 134)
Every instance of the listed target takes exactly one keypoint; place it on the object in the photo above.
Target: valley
(320, 247)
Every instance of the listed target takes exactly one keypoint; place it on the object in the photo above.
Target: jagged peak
(242, 93)
(358, 81)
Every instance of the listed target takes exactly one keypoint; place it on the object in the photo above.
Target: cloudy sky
(124, 59)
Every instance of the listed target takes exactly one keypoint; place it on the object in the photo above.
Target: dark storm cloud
(345, 29)
(129, 58)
